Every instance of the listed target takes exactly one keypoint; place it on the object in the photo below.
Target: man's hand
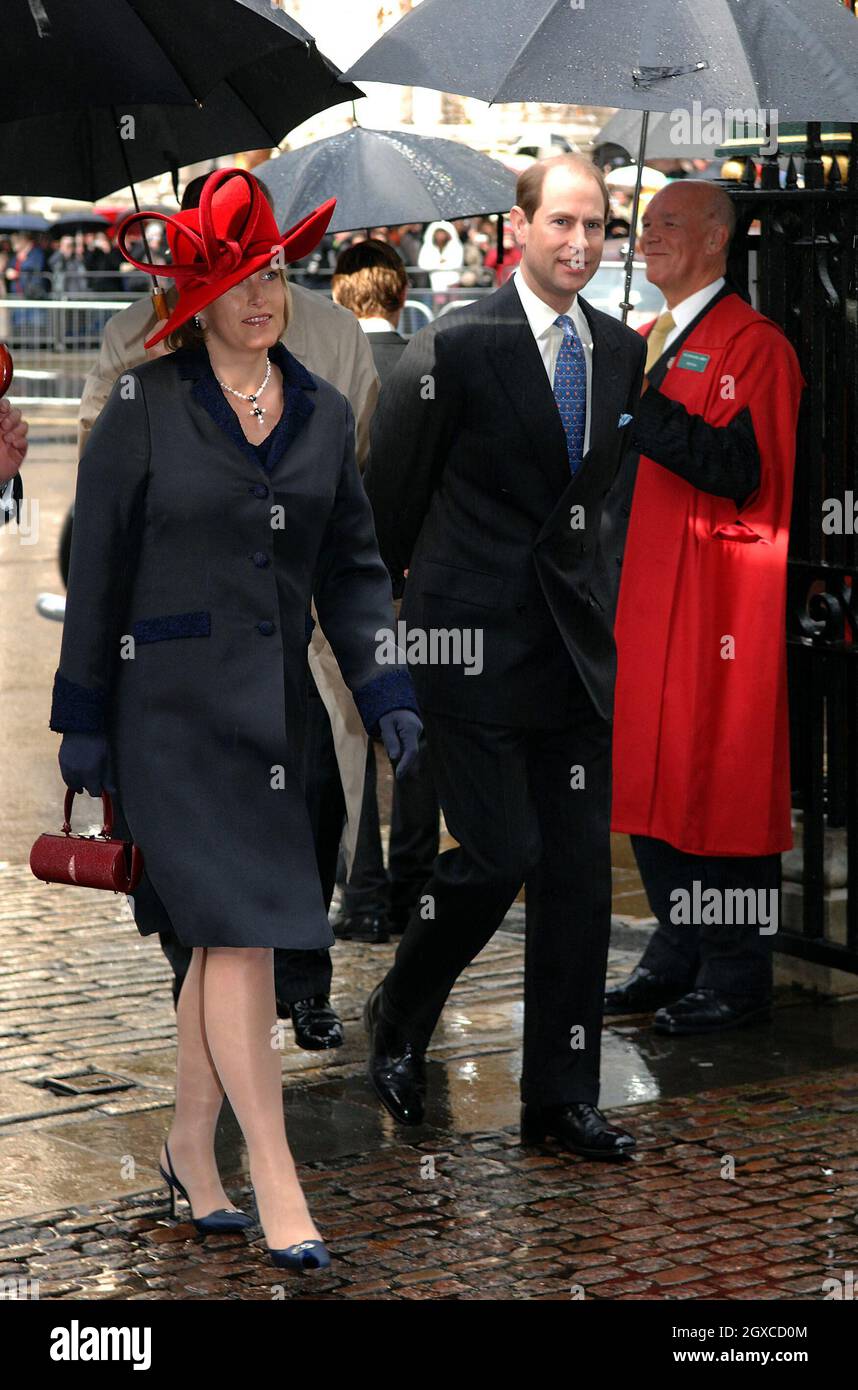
(13, 441)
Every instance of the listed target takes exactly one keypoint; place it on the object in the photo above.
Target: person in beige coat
(328, 340)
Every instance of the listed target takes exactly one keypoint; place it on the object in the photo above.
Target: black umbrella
(93, 150)
(79, 222)
(83, 90)
(385, 178)
(62, 54)
(799, 56)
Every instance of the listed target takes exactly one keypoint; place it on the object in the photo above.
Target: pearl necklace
(258, 410)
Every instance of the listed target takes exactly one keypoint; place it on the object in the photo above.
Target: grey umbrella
(664, 138)
(385, 178)
(649, 55)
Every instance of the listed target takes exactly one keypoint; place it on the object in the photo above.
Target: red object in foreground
(89, 861)
(6, 369)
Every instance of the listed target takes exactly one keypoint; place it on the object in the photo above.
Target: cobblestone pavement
(483, 1218)
(745, 1184)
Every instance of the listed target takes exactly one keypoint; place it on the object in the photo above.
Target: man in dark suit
(370, 281)
(495, 447)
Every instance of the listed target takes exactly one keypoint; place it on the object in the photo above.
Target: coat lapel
(605, 405)
(297, 405)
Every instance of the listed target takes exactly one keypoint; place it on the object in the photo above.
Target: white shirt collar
(688, 309)
(541, 316)
(376, 325)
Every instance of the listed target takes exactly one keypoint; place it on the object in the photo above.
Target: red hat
(232, 234)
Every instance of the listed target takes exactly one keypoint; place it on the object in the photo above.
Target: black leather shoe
(317, 1026)
(577, 1126)
(706, 1011)
(372, 927)
(397, 1069)
(641, 993)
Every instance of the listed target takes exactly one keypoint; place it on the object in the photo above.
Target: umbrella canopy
(624, 128)
(385, 178)
(84, 154)
(63, 54)
(79, 222)
(23, 222)
(656, 55)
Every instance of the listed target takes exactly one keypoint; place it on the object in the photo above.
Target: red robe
(701, 738)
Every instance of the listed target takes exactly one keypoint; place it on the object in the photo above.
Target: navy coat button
(266, 628)
(259, 490)
(260, 559)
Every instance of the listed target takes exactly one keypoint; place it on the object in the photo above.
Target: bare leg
(240, 1016)
(199, 1097)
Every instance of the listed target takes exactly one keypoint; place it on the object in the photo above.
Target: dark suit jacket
(386, 349)
(470, 484)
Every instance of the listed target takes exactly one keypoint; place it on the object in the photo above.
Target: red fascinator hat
(232, 234)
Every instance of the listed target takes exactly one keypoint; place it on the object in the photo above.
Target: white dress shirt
(376, 325)
(7, 504)
(688, 309)
(548, 337)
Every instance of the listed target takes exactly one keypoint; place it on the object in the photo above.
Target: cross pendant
(259, 412)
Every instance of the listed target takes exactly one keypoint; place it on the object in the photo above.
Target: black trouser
(371, 889)
(508, 801)
(300, 974)
(734, 959)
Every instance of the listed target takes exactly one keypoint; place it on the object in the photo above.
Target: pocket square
(624, 420)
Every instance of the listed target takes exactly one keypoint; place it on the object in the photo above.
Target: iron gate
(801, 269)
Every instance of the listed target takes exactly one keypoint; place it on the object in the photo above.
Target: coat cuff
(77, 708)
(390, 691)
(651, 416)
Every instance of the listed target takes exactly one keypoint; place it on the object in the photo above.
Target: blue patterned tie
(570, 389)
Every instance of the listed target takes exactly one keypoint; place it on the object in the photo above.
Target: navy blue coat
(186, 630)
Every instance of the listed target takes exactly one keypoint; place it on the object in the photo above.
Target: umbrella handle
(626, 303)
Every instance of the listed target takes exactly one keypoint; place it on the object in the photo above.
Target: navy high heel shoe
(217, 1222)
(300, 1258)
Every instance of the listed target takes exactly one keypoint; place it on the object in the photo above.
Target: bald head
(687, 229)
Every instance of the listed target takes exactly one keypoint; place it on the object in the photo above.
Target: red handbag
(89, 861)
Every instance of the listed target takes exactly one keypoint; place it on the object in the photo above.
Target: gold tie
(664, 324)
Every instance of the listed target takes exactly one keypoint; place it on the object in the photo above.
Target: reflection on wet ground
(86, 992)
(457, 1209)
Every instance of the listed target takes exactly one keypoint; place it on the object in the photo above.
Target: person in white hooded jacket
(442, 254)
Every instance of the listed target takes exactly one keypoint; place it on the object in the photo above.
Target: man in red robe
(701, 733)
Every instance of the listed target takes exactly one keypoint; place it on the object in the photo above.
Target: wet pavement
(745, 1184)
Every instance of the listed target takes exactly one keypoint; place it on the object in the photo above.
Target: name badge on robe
(694, 361)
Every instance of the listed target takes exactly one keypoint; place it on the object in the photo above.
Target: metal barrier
(54, 343)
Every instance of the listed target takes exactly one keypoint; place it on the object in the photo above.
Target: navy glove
(85, 763)
(400, 731)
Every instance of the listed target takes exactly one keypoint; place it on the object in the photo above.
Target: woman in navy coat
(218, 495)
